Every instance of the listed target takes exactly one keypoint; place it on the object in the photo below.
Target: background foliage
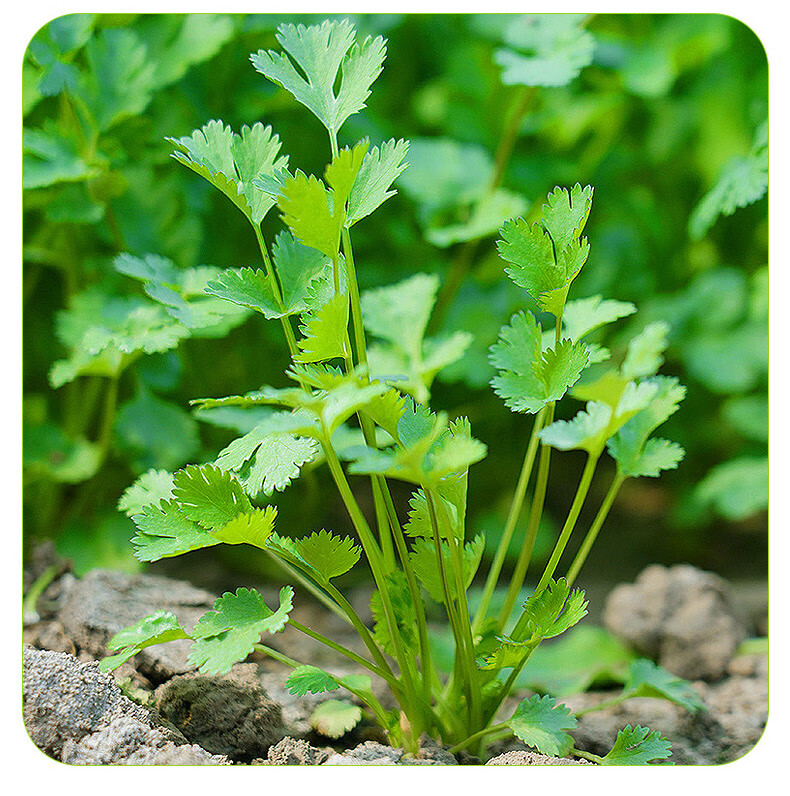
(665, 115)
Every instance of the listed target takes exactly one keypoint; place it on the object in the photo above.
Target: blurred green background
(664, 114)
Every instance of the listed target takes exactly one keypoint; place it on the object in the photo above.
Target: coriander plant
(366, 405)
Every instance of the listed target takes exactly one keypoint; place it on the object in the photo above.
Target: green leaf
(423, 559)
(120, 78)
(647, 679)
(232, 162)
(644, 355)
(565, 214)
(305, 207)
(379, 169)
(310, 680)
(541, 723)
(554, 609)
(163, 531)
(208, 496)
(742, 181)
(149, 489)
(530, 378)
(269, 456)
(328, 555)
(334, 718)
(48, 453)
(324, 331)
(486, 217)
(451, 491)
(319, 52)
(156, 628)
(529, 250)
(229, 633)
(637, 455)
(341, 174)
(155, 433)
(583, 316)
(575, 661)
(507, 655)
(253, 527)
(737, 488)
(547, 49)
(637, 746)
(49, 158)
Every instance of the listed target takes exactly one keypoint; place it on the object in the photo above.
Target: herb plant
(367, 405)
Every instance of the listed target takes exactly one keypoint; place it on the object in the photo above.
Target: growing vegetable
(366, 404)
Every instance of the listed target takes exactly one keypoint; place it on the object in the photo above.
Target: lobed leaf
(310, 680)
(328, 556)
(647, 679)
(229, 633)
(637, 746)
(149, 489)
(164, 531)
(380, 168)
(541, 723)
(334, 718)
(324, 331)
(423, 558)
(157, 628)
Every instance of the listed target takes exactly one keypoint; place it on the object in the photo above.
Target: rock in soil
(519, 757)
(296, 752)
(126, 741)
(681, 616)
(227, 714)
(104, 602)
(372, 753)
(77, 714)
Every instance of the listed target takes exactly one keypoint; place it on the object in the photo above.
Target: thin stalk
(359, 626)
(310, 586)
(271, 277)
(38, 588)
(477, 736)
(385, 675)
(600, 518)
(535, 512)
(108, 416)
(374, 556)
(510, 524)
(609, 703)
(570, 522)
(364, 696)
(586, 755)
(464, 653)
(428, 671)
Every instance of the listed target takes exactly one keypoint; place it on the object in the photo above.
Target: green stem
(374, 556)
(587, 755)
(609, 703)
(428, 672)
(37, 589)
(570, 522)
(477, 736)
(359, 626)
(277, 655)
(510, 524)
(535, 512)
(592, 534)
(108, 416)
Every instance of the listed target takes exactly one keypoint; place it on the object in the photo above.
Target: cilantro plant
(368, 406)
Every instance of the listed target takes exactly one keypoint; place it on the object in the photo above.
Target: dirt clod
(519, 757)
(680, 615)
(225, 714)
(296, 752)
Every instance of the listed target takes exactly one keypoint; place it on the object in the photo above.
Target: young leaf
(310, 680)
(328, 555)
(451, 491)
(529, 250)
(229, 633)
(646, 679)
(507, 655)
(232, 162)
(554, 609)
(379, 169)
(587, 430)
(164, 531)
(541, 723)
(566, 213)
(305, 207)
(209, 496)
(253, 527)
(149, 489)
(637, 746)
(341, 174)
(320, 51)
(247, 287)
(334, 718)
(644, 355)
(269, 456)
(324, 331)
(156, 628)
(583, 316)
(423, 559)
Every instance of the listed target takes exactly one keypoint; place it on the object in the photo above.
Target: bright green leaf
(637, 746)
(541, 723)
(334, 718)
(310, 680)
(328, 555)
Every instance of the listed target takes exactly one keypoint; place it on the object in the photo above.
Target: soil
(155, 710)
